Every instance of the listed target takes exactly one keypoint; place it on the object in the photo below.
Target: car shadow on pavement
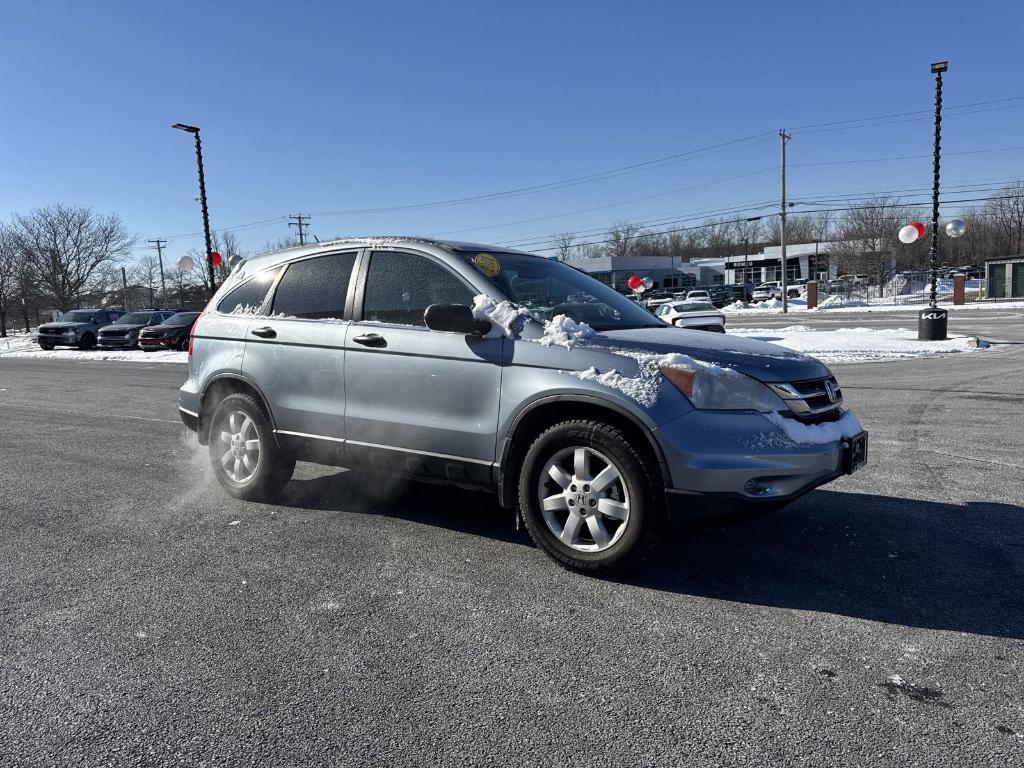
(901, 561)
(465, 511)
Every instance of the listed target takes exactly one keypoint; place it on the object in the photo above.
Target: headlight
(721, 389)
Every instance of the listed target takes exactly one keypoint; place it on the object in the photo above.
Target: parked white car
(695, 315)
(698, 296)
(767, 291)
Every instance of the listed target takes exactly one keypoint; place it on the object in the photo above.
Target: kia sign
(931, 324)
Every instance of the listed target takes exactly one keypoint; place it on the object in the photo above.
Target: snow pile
(735, 306)
(643, 386)
(816, 434)
(23, 345)
(563, 331)
(857, 345)
(504, 316)
(770, 304)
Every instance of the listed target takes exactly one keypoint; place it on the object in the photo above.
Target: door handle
(371, 340)
(265, 332)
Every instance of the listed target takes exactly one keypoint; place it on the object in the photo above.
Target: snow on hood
(643, 386)
(760, 360)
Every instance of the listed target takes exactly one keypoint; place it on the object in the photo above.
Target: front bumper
(126, 342)
(717, 459)
(57, 341)
(160, 343)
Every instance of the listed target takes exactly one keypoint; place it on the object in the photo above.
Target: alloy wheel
(241, 446)
(584, 499)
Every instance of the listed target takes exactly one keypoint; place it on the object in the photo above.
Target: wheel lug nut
(593, 502)
(572, 488)
(586, 489)
(572, 503)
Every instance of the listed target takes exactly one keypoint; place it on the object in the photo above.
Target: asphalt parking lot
(149, 619)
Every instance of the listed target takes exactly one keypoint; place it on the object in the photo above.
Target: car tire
(585, 528)
(183, 344)
(46, 345)
(88, 341)
(246, 471)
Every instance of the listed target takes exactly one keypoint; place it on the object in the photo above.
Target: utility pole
(124, 282)
(785, 137)
(300, 221)
(158, 243)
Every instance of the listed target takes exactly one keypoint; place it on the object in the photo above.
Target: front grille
(811, 401)
(114, 334)
(150, 335)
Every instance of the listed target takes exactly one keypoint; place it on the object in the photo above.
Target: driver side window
(400, 287)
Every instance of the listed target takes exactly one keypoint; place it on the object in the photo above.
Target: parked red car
(172, 333)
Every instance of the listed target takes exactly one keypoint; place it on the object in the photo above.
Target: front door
(419, 401)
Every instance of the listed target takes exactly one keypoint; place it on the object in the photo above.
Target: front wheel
(88, 341)
(244, 455)
(45, 345)
(588, 498)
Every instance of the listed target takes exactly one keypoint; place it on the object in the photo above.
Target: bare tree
(867, 239)
(9, 263)
(66, 244)
(622, 239)
(564, 244)
(1005, 209)
(146, 273)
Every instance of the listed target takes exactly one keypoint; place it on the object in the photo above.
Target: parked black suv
(172, 333)
(124, 332)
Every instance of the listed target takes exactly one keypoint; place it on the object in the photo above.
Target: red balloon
(919, 227)
(215, 258)
(635, 282)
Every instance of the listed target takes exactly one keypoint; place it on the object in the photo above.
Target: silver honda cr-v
(478, 366)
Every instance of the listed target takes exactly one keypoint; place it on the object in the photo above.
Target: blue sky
(326, 107)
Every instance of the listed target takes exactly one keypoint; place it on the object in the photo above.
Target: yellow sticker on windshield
(487, 264)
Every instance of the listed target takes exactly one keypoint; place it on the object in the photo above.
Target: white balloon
(648, 283)
(185, 263)
(956, 228)
(908, 234)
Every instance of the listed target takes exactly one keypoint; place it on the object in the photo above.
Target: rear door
(417, 400)
(295, 353)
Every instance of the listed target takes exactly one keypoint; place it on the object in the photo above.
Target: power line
(901, 204)
(300, 221)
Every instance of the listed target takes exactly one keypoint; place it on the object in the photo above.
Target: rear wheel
(588, 498)
(244, 455)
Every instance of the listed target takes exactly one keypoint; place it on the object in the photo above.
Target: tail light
(192, 332)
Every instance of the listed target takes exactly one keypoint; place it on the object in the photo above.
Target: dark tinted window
(182, 318)
(315, 288)
(400, 287)
(248, 297)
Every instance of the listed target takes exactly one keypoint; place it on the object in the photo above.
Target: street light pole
(931, 321)
(202, 201)
(937, 68)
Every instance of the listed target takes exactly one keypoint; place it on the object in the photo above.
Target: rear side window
(400, 287)
(315, 288)
(248, 297)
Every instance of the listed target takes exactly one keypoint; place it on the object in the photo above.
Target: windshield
(182, 318)
(78, 316)
(134, 318)
(551, 288)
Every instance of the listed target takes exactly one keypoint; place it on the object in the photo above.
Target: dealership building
(666, 272)
(805, 261)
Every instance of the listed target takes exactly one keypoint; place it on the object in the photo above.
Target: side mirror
(454, 318)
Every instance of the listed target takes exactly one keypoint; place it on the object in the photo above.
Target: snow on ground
(24, 345)
(836, 304)
(858, 345)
